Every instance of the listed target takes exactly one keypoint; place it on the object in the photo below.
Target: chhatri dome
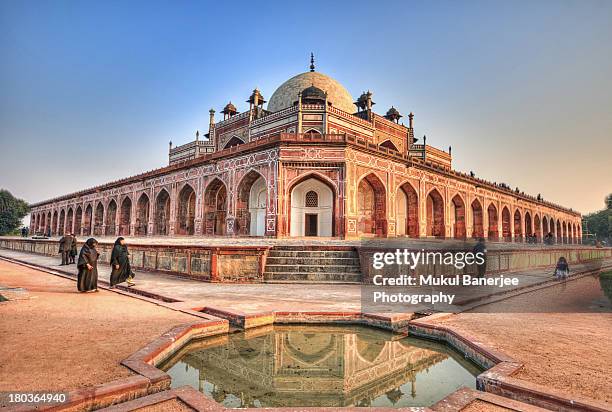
(287, 94)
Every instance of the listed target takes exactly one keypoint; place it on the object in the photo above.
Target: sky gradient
(93, 91)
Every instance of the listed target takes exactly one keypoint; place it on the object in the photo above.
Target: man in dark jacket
(64, 248)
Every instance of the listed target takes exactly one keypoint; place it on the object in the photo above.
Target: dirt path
(567, 351)
(59, 339)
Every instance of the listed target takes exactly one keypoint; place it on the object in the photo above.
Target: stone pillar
(485, 219)
(104, 220)
(422, 209)
(133, 212)
(117, 218)
(151, 223)
(83, 211)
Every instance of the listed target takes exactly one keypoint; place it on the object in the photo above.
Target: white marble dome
(287, 93)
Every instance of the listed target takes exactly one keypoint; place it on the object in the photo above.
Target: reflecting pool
(320, 365)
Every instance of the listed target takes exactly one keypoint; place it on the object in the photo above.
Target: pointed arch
(78, 220)
(537, 227)
(493, 218)
(477, 219)
(111, 218)
(62, 222)
(69, 220)
(528, 224)
(388, 144)
(407, 210)
(306, 218)
(371, 206)
(215, 208)
(98, 219)
(545, 227)
(559, 233)
(565, 236)
(141, 225)
(186, 207)
(518, 227)
(234, 141)
(251, 204)
(162, 213)
(125, 216)
(434, 208)
(48, 229)
(458, 217)
(506, 225)
(312, 133)
(88, 221)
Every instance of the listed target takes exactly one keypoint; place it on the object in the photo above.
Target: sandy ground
(60, 339)
(566, 351)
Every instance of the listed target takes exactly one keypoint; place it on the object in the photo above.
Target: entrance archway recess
(62, 221)
(162, 213)
(185, 224)
(506, 225)
(407, 211)
(251, 206)
(545, 228)
(69, 220)
(215, 208)
(371, 207)
(478, 225)
(493, 221)
(528, 226)
(537, 227)
(458, 217)
(434, 211)
(312, 209)
(142, 215)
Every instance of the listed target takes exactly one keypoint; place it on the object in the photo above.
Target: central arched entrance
(78, 219)
(435, 214)
(458, 217)
(371, 206)
(215, 208)
(69, 220)
(62, 221)
(185, 224)
(407, 211)
(312, 208)
(251, 206)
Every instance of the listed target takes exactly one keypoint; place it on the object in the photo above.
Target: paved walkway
(256, 298)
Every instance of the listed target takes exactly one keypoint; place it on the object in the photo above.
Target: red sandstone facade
(316, 165)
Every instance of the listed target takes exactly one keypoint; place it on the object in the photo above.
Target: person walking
(64, 249)
(87, 280)
(73, 248)
(562, 269)
(121, 270)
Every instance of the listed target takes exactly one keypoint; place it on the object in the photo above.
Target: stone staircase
(303, 264)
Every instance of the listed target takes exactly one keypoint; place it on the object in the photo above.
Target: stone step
(314, 269)
(311, 261)
(314, 253)
(312, 277)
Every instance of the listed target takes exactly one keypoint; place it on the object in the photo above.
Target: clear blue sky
(93, 91)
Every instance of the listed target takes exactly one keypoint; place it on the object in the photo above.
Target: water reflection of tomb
(339, 366)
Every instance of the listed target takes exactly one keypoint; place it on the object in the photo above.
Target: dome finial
(312, 66)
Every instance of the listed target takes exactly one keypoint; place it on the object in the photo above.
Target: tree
(600, 223)
(12, 211)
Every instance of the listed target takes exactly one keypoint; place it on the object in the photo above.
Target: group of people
(68, 249)
(87, 264)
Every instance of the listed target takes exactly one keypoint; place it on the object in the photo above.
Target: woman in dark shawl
(120, 264)
(88, 267)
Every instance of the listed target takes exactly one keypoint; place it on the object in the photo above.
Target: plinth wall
(211, 264)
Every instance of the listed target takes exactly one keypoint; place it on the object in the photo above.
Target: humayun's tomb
(314, 162)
